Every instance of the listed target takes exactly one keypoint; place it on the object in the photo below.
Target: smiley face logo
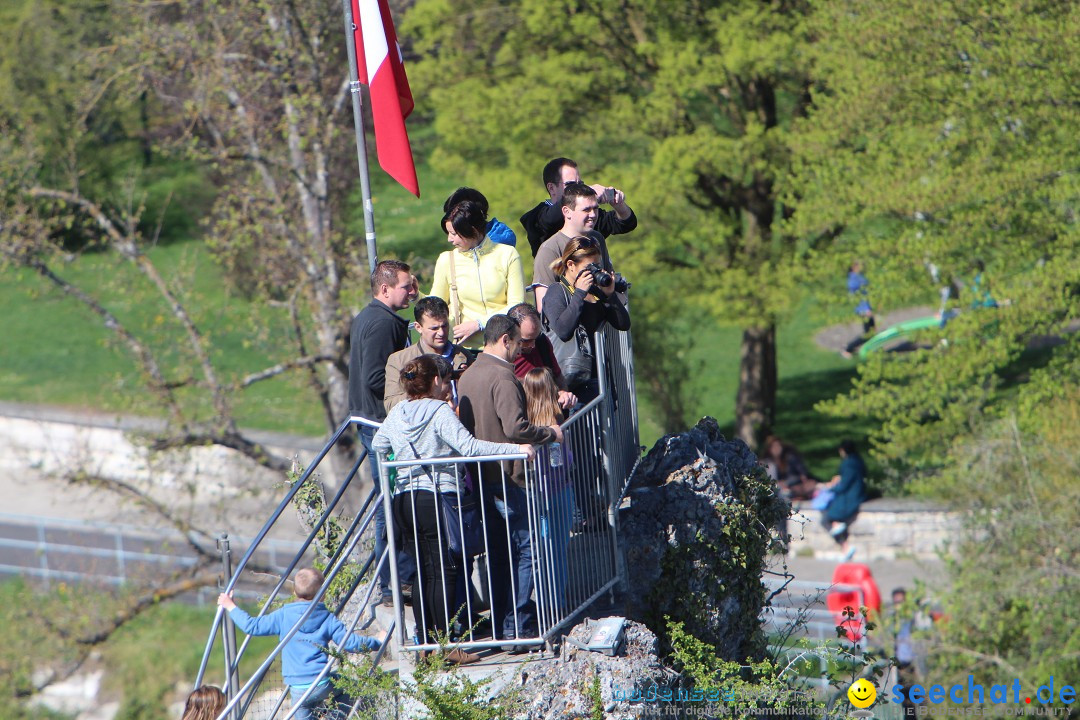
(862, 693)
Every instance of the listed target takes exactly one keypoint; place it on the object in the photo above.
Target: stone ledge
(886, 529)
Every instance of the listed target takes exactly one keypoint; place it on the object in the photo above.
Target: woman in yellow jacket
(478, 278)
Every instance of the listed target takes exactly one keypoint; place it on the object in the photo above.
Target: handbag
(822, 497)
(575, 355)
(463, 522)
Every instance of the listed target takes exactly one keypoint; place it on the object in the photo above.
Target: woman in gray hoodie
(426, 427)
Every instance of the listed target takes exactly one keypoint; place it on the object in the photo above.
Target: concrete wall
(40, 448)
(885, 529)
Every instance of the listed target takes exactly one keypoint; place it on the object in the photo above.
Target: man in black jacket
(546, 219)
(376, 332)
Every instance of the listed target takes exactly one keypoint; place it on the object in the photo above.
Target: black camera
(603, 278)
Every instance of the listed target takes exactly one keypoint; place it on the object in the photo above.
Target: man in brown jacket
(433, 323)
(492, 407)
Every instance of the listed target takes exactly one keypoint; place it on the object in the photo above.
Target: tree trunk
(755, 403)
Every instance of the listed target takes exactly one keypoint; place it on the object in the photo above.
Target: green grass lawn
(57, 352)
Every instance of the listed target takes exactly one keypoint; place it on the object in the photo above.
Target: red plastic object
(837, 600)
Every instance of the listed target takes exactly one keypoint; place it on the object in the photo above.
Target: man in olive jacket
(492, 407)
(433, 323)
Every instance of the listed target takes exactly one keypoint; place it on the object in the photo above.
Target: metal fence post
(228, 630)
(43, 552)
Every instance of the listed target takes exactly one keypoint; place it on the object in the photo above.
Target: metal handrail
(618, 451)
(256, 678)
(584, 437)
(240, 702)
(218, 615)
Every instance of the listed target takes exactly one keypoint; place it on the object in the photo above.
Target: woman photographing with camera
(583, 299)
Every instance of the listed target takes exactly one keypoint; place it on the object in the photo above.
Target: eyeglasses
(584, 241)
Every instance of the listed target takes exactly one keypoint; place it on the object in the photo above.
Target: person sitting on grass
(786, 467)
(304, 656)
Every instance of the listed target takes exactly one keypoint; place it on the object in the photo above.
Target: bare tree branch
(230, 439)
(282, 368)
(992, 659)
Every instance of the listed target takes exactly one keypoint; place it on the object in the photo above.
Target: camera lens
(600, 276)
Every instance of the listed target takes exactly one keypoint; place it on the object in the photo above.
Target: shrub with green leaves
(1011, 610)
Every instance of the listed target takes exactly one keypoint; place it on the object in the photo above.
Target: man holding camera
(545, 219)
(580, 211)
(433, 323)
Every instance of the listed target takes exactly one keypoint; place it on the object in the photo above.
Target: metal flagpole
(361, 138)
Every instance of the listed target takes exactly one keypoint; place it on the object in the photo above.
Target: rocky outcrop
(696, 537)
(578, 682)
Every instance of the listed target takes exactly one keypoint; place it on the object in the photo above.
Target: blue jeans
(317, 696)
(556, 518)
(513, 613)
(406, 566)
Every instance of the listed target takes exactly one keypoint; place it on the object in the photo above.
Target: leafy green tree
(258, 92)
(66, 92)
(685, 105)
(1010, 609)
(942, 135)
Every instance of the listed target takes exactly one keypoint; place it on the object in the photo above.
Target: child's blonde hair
(307, 583)
(204, 703)
(542, 397)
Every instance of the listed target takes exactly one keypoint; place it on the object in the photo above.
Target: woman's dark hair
(418, 376)
(848, 446)
(466, 193)
(468, 220)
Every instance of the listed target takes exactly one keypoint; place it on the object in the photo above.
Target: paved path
(37, 494)
(888, 574)
(836, 337)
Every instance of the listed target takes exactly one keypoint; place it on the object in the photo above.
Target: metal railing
(549, 545)
(617, 387)
(57, 549)
(799, 616)
(569, 534)
(240, 701)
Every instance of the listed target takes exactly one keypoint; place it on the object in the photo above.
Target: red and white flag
(379, 66)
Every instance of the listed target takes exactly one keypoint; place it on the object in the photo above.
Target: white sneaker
(838, 529)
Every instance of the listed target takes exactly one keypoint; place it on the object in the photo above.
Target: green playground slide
(900, 329)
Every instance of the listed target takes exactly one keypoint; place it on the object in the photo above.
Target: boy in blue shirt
(304, 656)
